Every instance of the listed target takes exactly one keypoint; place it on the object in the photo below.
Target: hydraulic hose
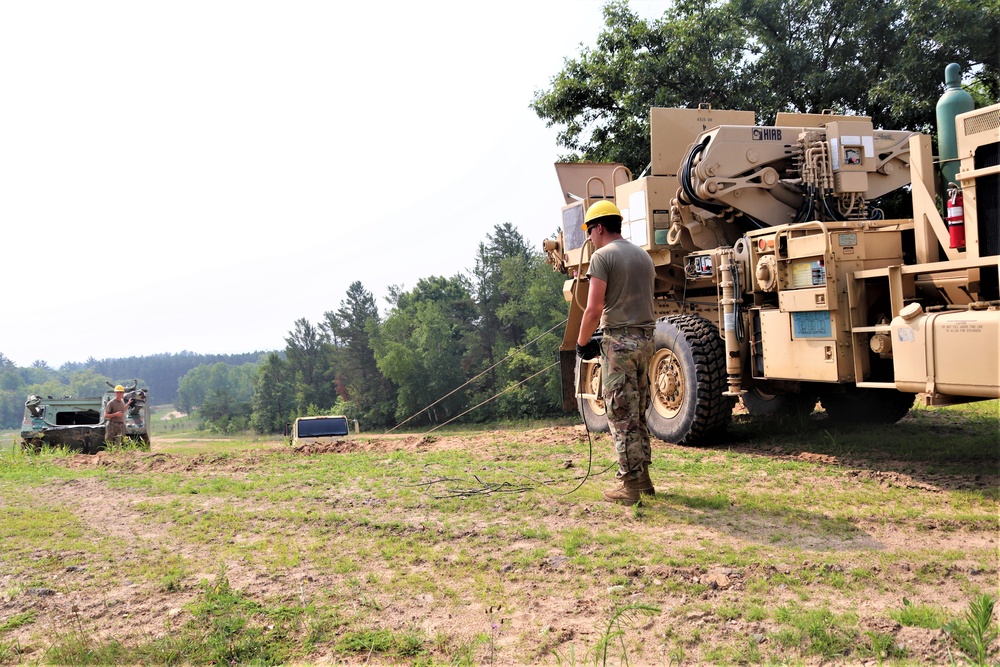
(689, 192)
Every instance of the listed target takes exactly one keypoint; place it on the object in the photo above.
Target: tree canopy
(879, 58)
(488, 337)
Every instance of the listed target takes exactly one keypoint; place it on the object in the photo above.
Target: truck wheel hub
(668, 383)
(596, 404)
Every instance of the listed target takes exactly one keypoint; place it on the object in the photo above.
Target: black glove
(590, 350)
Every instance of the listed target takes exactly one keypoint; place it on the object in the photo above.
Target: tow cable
(484, 487)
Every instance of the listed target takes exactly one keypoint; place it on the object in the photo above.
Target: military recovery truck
(78, 423)
(778, 279)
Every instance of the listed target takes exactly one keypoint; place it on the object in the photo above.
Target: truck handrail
(783, 232)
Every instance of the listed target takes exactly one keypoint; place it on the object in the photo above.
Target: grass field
(795, 543)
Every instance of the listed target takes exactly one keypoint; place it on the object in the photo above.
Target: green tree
(11, 408)
(600, 100)
(367, 394)
(16, 384)
(43, 376)
(6, 363)
(161, 372)
(307, 353)
(197, 384)
(222, 412)
(10, 379)
(273, 403)
(503, 244)
(536, 303)
(47, 386)
(881, 58)
(87, 382)
(422, 345)
(12, 394)
(494, 336)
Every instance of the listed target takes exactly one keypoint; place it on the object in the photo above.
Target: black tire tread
(713, 411)
(595, 423)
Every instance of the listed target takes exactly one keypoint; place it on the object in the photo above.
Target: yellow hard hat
(118, 387)
(601, 209)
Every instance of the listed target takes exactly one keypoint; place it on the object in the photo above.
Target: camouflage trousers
(625, 388)
(113, 431)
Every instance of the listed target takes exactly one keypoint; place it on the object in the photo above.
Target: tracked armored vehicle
(78, 423)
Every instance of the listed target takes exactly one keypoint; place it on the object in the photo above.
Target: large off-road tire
(867, 406)
(687, 376)
(761, 403)
(591, 410)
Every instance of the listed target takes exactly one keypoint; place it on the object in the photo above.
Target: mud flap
(567, 376)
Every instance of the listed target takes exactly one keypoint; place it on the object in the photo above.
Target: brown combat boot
(631, 487)
(645, 483)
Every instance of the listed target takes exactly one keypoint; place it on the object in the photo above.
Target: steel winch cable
(491, 398)
(508, 356)
(590, 461)
(487, 488)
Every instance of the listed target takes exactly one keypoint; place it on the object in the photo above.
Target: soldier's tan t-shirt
(115, 405)
(629, 273)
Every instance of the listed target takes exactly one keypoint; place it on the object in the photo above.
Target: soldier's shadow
(785, 527)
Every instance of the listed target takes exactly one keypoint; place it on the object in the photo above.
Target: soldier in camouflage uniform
(620, 300)
(114, 417)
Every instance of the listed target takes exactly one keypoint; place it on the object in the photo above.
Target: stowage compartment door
(798, 346)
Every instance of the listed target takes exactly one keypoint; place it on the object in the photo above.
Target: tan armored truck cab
(778, 279)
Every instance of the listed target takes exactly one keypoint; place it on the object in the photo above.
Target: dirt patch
(484, 442)
(561, 596)
(142, 462)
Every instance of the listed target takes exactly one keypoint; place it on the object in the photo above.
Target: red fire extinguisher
(956, 218)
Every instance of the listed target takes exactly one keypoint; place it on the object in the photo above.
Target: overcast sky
(197, 175)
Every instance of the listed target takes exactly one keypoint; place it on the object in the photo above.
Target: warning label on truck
(811, 325)
(962, 327)
(807, 273)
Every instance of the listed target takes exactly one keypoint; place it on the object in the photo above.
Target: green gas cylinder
(954, 101)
